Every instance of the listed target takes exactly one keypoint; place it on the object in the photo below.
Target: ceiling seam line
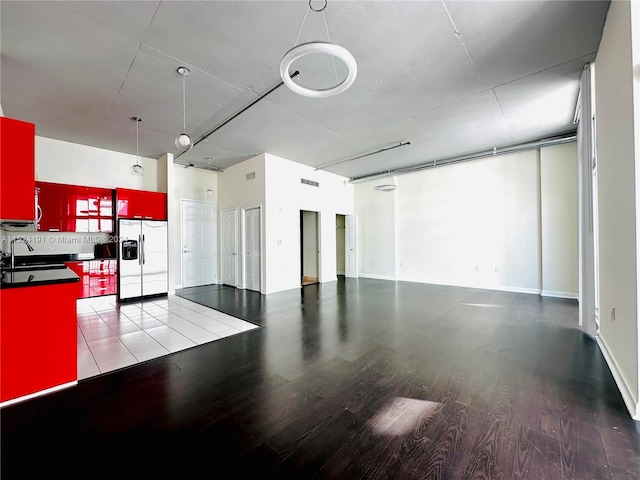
(458, 35)
(504, 115)
(545, 70)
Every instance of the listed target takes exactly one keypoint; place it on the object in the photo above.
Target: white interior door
(229, 245)
(252, 249)
(199, 242)
(351, 246)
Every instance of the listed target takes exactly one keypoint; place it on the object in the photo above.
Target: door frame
(236, 281)
(216, 279)
(318, 254)
(350, 224)
(243, 243)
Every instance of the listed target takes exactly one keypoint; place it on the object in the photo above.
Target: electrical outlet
(477, 268)
(496, 269)
(613, 314)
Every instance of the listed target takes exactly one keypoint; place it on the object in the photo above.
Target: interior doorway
(340, 244)
(309, 247)
(252, 248)
(229, 245)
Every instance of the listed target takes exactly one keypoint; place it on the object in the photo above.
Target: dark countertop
(37, 277)
(57, 258)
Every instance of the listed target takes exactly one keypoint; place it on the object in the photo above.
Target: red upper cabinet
(141, 204)
(17, 170)
(75, 208)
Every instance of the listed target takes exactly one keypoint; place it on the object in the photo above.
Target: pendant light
(328, 48)
(183, 141)
(137, 169)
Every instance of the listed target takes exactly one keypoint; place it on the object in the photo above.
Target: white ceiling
(450, 77)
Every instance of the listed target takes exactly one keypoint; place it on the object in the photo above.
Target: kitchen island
(38, 352)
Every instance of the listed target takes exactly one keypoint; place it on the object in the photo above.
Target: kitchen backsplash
(48, 243)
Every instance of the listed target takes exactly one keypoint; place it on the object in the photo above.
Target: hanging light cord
(137, 154)
(184, 105)
(326, 26)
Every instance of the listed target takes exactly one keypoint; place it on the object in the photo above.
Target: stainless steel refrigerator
(143, 258)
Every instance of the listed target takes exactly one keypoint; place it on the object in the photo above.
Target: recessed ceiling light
(385, 188)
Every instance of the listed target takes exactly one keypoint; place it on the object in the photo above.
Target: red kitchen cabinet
(82, 287)
(97, 277)
(52, 206)
(141, 204)
(103, 279)
(17, 170)
(75, 208)
(38, 345)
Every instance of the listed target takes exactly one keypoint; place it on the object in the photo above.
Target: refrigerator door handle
(143, 253)
(139, 249)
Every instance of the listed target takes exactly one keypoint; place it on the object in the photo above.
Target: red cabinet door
(155, 205)
(75, 208)
(17, 170)
(141, 204)
(38, 350)
(88, 209)
(83, 287)
(102, 277)
(51, 201)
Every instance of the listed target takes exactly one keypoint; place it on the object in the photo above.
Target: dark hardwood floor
(355, 379)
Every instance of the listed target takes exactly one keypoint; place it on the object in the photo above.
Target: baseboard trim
(532, 291)
(377, 277)
(38, 394)
(629, 398)
(551, 293)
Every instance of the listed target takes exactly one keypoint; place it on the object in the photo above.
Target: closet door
(252, 249)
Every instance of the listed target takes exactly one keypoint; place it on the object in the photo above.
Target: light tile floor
(112, 336)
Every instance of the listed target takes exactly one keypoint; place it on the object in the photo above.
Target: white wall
(618, 158)
(496, 223)
(559, 211)
(74, 164)
(474, 224)
(285, 197)
(377, 230)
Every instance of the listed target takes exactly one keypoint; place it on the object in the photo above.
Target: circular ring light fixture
(385, 188)
(313, 48)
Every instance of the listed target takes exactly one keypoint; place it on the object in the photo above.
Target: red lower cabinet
(97, 277)
(38, 344)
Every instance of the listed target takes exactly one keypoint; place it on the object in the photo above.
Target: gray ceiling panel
(451, 77)
(552, 34)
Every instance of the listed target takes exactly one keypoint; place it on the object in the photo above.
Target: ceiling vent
(250, 176)
(309, 182)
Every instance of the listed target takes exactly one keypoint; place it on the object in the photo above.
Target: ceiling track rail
(211, 132)
(570, 137)
(384, 149)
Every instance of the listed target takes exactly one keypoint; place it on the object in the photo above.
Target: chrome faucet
(13, 257)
